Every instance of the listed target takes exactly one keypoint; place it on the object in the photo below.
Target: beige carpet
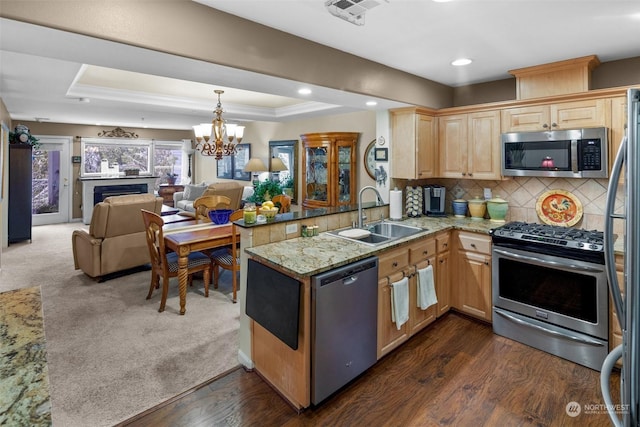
(110, 354)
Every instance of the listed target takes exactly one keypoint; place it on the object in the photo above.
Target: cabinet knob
(470, 174)
(445, 245)
(425, 252)
(395, 264)
(486, 263)
(464, 174)
(441, 261)
(473, 245)
(545, 125)
(554, 125)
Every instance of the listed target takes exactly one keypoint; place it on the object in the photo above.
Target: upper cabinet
(414, 153)
(565, 115)
(329, 169)
(469, 145)
(618, 123)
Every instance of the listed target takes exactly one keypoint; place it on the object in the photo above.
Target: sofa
(233, 190)
(116, 240)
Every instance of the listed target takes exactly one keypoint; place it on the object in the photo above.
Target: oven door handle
(543, 262)
(546, 330)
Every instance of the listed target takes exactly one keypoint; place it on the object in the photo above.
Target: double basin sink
(378, 233)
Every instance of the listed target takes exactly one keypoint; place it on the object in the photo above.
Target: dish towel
(426, 288)
(400, 302)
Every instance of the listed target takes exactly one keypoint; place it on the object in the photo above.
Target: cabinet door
(389, 336)
(443, 283)
(316, 164)
(414, 136)
(484, 145)
(419, 318)
(523, 119)
(452, 145)
(574, 115)
(344, 178)
(474, 284)
(426, 146)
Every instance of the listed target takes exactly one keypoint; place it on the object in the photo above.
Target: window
(149, 157)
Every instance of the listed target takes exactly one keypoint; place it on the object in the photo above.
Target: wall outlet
(487, 194)
(291, 228)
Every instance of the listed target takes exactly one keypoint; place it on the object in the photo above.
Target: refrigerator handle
(605, 383)
(614, 286)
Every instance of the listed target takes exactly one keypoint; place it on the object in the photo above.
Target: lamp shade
(255, 165)
(277, 165)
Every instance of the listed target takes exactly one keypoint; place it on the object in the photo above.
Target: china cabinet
(329, 169)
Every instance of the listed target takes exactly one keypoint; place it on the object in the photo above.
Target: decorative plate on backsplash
(559, 207)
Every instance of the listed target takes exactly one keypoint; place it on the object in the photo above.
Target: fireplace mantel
(89, 185)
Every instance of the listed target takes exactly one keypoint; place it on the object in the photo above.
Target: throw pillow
(192, 192)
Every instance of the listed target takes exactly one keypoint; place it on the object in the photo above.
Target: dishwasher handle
(350, 280)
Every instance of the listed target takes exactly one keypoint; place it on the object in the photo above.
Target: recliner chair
(116, 239)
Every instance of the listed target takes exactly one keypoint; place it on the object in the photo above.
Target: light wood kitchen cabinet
(617, 126)
(615, 332)
(414, 134)
(472, 276)
(564, 115)
(393, 265)
(329, 169)
(443, 273)
(469, 145)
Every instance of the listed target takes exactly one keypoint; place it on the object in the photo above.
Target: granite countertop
(308, 256)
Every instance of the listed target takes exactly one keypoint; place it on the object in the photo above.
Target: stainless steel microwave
(575, 153)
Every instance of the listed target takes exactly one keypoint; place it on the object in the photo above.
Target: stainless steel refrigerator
(627, 303)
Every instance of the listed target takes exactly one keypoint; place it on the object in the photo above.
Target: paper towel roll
(395, 204)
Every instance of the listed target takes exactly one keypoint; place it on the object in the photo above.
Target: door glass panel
(317, 162)
(344, 174)
(45, 182)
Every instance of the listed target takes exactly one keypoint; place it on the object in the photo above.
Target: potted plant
(171, 178)
(22, 135)
(265, 191)
(287, 186)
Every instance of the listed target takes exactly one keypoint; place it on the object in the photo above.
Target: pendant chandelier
(222, 143)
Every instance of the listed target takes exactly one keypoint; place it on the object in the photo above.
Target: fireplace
(101, 192)
(96, 189)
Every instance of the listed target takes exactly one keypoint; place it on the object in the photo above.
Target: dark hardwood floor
(456, 372)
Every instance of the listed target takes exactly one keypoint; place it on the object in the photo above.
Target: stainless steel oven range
(549, 290)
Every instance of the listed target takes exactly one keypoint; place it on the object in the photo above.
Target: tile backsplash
(522, 194)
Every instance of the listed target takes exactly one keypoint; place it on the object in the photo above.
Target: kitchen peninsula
(288, 370)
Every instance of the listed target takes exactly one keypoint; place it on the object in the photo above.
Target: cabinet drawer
(392, 261)
(474, 242)
(442, 242)
(422, 250)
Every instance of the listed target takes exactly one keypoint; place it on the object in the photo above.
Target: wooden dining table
(186, 237)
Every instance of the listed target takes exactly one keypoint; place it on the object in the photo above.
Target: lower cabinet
(472, 278)
(393, 266)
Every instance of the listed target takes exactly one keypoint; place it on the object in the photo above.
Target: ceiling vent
(351, 10)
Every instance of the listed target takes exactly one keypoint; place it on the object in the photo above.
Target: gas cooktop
(569, 239)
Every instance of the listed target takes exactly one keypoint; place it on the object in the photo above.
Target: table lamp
(255, 165)
(277, 166)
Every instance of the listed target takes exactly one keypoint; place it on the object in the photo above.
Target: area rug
(24, 383)
(110, 353)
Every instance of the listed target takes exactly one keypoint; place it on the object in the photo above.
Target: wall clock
(370, 160)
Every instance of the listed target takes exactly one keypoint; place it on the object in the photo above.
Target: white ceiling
(45, 72)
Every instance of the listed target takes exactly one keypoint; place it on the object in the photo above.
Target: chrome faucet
(379, 202)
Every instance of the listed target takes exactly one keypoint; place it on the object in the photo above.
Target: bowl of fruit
(269, 210)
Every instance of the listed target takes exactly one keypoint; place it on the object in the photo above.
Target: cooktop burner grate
(571, 242)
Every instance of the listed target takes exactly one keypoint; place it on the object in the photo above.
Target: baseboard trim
(245, 361)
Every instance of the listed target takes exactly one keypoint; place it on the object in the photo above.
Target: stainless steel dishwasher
(344, 316)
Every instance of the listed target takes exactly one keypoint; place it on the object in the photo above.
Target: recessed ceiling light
(461, 61)
(371, 103)
(304, 91)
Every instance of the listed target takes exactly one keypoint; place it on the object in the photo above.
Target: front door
(50, 181)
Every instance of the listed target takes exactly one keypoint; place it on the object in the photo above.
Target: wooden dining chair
(228, 258)
(165, 264)
(203, 204)
(284, 201)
